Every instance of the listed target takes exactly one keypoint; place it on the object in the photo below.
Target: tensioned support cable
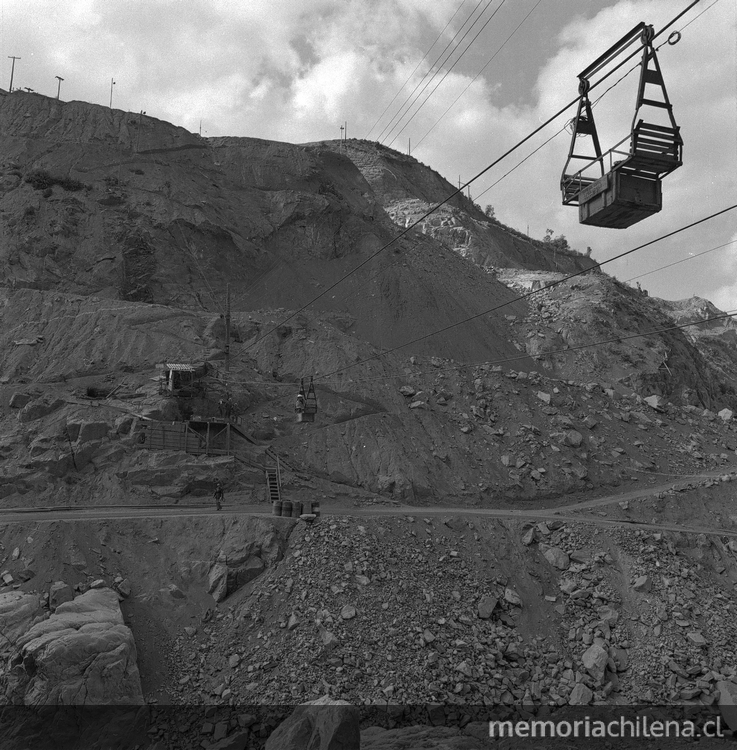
(536, 291)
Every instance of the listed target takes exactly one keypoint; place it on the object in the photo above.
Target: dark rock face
(319, 725)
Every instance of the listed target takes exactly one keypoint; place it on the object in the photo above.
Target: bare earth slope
(489, 536)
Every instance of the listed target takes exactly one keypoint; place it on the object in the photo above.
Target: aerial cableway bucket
(306, 405)
(622, 186)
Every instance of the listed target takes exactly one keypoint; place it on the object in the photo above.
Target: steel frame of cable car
(626, 185)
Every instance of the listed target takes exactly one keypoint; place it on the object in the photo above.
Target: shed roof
(179, 367)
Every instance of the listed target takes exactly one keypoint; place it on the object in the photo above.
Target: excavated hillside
(532, 510)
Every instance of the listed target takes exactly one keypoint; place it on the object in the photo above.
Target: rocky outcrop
(322, 724)
(246, 553)
(83, 654)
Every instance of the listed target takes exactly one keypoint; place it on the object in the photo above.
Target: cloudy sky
(296, 70)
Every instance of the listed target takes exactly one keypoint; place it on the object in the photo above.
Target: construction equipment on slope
(623, 186)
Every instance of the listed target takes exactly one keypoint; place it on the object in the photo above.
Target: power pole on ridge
(58, 88)
(12, 70)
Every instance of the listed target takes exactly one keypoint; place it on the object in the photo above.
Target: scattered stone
(642, 583)
(595, 660)
(348, 612)
(486, 607)
(59, 593)
(580, 695)
(726, 415)
(557, 558)
(655, 402)
(529, 536)
(573, 438)
(512, 597)
(697, 639)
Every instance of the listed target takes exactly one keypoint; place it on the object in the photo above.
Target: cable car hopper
(306, 404)
(623, 186)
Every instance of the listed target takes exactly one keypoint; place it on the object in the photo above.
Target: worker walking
(218, 495)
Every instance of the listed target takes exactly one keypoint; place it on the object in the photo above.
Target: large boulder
(92, 431)
(83, 654)
(245, 553)
(40, 408)
(319, 725)
(18, 612)
(595, 660)
(728, 703)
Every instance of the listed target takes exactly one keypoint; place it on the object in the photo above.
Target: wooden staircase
(273, 483)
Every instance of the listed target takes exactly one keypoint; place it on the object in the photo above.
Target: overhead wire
(682, 260)
(436, 67)
(399, 91)
(461, 188)
(536, 291)
(445, 75)
(563, 350)
(506, 360)
(473, 80)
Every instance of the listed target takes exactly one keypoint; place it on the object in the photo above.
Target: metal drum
(296, 509)
(276, 508)
(286, 508)
(316, 508)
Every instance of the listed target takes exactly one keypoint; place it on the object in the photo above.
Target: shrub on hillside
(40, 179)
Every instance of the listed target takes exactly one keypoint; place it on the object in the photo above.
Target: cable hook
(674, 37)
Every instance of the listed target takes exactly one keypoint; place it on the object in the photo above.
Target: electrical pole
(138, 138)
(346, 131)
(227, 330)
(12, 70)
(112, 83)
(409, 146)
(58, 88)
(341, 138)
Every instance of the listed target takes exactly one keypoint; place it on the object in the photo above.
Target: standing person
(218, 495)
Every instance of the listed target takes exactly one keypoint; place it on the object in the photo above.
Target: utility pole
(58, 88)
(227, 329)
(138, 139)
(112, 83)
(12, 69)
(409, 146)
(346, 130)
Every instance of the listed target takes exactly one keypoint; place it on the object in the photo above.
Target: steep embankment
(170, 218)
(598, 326)
(407, 189)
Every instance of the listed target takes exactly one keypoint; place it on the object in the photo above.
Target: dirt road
(571, 512)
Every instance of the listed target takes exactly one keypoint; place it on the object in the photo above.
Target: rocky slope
(119, 236)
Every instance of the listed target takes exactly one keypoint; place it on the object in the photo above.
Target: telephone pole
(58, 88)
(227, 329)
(12, 69)
(112, 83)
